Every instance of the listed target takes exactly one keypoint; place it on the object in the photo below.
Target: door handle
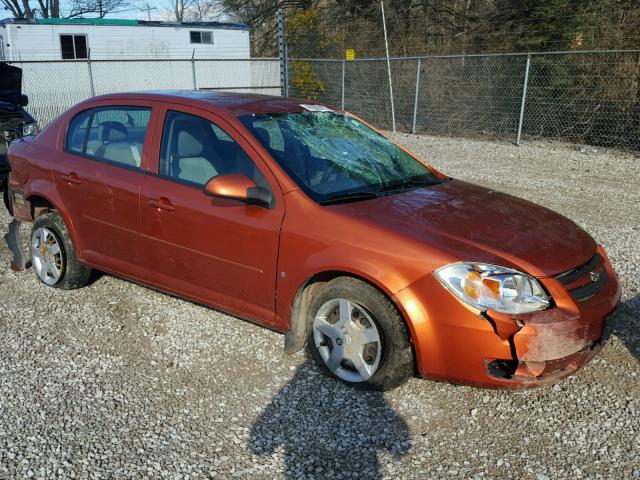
(161, 204)
(71, 179)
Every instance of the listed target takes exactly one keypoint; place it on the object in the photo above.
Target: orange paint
(251, 260)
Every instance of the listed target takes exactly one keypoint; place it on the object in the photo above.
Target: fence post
(524, 97)
(386, 47)
(415, 100)
(286, 69)
(282, 54)
(193, 69)
(343, 73)
(91, 86)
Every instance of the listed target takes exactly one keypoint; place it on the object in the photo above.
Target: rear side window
(112, 134)
(77, 132)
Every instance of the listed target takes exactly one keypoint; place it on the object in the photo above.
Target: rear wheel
(52, 255)
(358, 336)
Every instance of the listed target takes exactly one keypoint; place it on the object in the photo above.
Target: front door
(216, 251)
(98, 176)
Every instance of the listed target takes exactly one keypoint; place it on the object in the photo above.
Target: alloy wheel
(47, 256)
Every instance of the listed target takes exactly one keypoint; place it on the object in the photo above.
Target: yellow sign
(350, 54)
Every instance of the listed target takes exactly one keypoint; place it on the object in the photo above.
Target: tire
(371, 338)
(53, 257)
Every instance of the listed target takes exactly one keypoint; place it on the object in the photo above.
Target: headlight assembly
(29, 129)
(491, 287)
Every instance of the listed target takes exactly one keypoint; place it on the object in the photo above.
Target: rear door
(219, 252)
(102, 162)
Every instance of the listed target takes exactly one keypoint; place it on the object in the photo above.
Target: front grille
(588, 279)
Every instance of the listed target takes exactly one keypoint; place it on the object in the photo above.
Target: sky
(135, 10)
(158, 10)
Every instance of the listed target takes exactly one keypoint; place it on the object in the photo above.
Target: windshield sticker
(316, 108)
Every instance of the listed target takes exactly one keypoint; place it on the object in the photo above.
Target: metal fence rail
(585, 97)
(54, 86)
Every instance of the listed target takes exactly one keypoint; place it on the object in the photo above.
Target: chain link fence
(583, 97)
(54, 86)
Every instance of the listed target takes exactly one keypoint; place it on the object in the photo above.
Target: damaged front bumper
(454, 342)
(542, 368)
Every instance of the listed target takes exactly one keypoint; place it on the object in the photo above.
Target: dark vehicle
(15, 121)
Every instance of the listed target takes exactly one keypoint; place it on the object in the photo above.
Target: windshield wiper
(348, 197)
(410, 183)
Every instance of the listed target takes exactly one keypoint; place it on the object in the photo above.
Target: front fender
(292, 316)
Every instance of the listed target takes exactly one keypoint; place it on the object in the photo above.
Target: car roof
(230, 102)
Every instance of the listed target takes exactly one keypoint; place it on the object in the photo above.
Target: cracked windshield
(334, 157)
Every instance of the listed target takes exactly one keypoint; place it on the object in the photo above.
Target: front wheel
(358, 336)
(52, 255)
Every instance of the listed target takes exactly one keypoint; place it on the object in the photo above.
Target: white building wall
(42, 41)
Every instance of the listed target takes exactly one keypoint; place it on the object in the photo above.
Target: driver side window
(194, 150)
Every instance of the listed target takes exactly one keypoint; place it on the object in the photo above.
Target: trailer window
(201, 37)
(73, 46)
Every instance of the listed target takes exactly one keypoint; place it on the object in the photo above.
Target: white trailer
(80, 39)
(66, 61)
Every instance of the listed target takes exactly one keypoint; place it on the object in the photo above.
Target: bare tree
(48, 8)
(203, 10)
(101, 8)
(260, 15)
(18, 9)
(51, 8)
(191, 10)
(179, 7)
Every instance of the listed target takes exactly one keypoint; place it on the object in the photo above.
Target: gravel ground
(118, 381)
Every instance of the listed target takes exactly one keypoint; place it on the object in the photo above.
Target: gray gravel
(118, 381)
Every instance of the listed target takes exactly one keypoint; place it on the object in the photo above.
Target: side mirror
(237, 186)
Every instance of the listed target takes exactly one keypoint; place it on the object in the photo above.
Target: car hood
(12, 115)
(473, 223)
(11, 85)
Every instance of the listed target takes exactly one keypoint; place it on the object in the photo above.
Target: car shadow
(627, 325)
(326, 429)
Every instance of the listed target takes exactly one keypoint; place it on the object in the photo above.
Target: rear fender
(46, 190)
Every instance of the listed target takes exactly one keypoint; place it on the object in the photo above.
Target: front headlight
(491, 287)
(29, 129)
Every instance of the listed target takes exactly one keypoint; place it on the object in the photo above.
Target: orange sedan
(302, 218)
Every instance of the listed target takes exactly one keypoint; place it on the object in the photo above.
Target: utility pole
(148, 8)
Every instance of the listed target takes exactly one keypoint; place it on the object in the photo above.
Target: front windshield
(333, 156)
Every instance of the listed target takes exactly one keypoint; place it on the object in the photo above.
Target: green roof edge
(87, 21)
